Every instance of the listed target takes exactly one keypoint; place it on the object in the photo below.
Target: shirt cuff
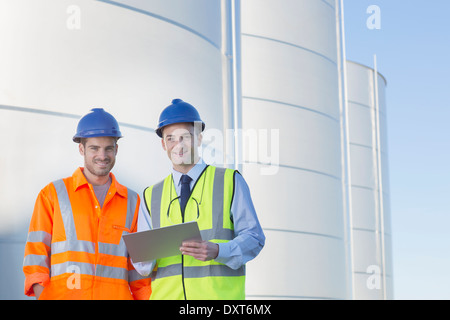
(224, 252)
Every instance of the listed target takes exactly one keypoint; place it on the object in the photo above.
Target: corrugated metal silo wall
(370, 210)
(290, 90)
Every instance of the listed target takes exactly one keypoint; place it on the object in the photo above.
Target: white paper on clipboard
(160, 243)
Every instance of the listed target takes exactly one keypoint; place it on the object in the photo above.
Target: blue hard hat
(179, 111)
(97, 123)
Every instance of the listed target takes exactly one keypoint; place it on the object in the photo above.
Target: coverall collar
(79, 180)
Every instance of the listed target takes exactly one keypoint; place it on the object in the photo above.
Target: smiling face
(99, 158)
(181, 145)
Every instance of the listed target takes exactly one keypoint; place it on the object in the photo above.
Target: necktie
(185, 191)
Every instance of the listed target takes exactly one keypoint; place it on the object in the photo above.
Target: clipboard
(160, 243)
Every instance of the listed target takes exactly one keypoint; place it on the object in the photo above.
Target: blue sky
(413, 53)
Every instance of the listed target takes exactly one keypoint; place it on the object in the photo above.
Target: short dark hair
(83, 140)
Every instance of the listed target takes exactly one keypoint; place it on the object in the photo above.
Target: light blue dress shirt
(249, 237)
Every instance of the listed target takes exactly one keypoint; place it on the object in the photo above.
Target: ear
(163, 144)
(81, 148)
(199, 139)
(117, 148)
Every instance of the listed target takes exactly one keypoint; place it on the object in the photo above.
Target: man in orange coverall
(75, 248)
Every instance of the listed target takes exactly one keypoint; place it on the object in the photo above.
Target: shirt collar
(79, 180)
(194, 173)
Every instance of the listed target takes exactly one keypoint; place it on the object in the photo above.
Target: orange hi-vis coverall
(75, 247)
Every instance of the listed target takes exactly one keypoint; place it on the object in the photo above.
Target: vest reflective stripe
(156, 204)
(73, 244)
(202, 280)
(197, 271)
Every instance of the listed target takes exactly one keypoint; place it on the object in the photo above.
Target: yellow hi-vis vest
(182, 276)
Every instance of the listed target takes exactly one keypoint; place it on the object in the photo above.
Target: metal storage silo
(369, 185)
(61, 58)
(290, 97)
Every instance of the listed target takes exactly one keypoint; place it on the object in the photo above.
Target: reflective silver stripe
(218, 231)
(66, 210)
(157, 191)
(89, 269)
(113, 249)
(131, 206)
(73, 267)
(217, 204)
(40, 236)
(198, 271)
(170, 270)
(111, 272)
(36, 260)
(213, 271)
(70, 245)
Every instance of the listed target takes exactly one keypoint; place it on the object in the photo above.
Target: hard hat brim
(97, 133)
(162, 126)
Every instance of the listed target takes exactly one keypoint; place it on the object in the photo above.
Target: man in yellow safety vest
(217, 198)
